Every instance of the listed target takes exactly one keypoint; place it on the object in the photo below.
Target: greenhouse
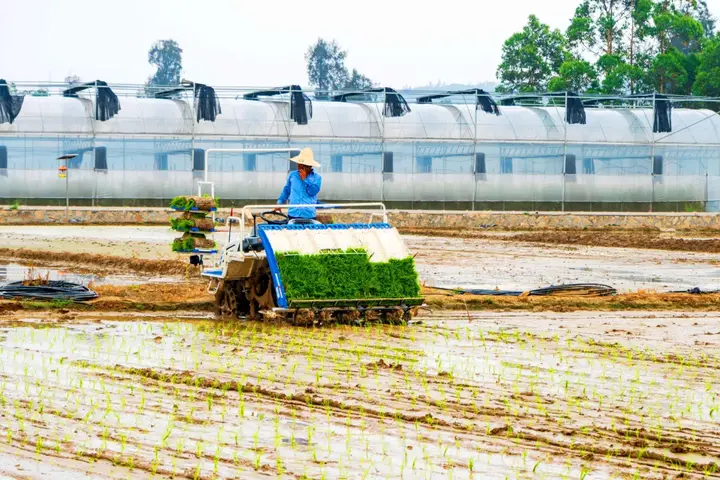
(441, 150)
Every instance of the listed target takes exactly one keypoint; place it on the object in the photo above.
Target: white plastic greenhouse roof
(361, 121)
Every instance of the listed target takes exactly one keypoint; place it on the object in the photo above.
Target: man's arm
(312, 184)
(285, 194)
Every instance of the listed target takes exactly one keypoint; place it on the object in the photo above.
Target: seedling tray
(198, 250)
(194, 209)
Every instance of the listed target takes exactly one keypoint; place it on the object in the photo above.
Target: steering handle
(284, 221)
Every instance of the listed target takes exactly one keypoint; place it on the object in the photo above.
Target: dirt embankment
(189, 291)
(631, 301)
(649, 239)
(193, 296)
(187, 296)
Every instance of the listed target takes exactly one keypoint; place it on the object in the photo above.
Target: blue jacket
(301, 192)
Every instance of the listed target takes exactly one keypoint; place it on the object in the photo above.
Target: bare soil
(193, 296)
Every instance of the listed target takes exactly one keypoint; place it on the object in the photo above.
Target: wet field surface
(458, 395)
(15, 273)
(491, 395)
(490, 264)
(443, 262)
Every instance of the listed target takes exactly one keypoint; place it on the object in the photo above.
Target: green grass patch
(348, 274)
(49, 304)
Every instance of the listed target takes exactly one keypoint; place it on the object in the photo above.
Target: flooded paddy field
(489, 262)
(471, 395)
(145, 383)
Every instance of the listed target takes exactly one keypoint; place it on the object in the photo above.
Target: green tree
(530, 58)
(575, 75)
(614, 33)
(639, 45)
(601, 26)
(669, 72)
(707, 82)
(675, 28)
(678, 37)
(327, 71)
(358, 81)
(699, 10)
(326, 65)
(166, 56)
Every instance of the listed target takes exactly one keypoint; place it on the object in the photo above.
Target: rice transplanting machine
(311, 273)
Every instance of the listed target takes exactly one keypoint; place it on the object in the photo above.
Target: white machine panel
(382, 243)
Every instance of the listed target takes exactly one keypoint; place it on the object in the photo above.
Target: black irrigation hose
(697, 291)
(52, 290)
(575, 289)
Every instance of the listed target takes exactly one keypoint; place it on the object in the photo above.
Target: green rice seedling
(346, 275)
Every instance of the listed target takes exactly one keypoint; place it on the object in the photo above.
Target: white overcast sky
(262, 43)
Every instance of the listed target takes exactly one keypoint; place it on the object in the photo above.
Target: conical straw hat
(305, 158)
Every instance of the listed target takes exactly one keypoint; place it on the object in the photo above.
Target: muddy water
(471, 396)
(145, 234)
(490, 264)
(15, 273)
(447, 262)
(141, 242)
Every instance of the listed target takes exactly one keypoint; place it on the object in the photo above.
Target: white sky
(262, 43)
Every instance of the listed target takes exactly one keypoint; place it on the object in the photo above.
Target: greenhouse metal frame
(448, 154)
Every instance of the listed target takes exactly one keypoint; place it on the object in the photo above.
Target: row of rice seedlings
(566, 384)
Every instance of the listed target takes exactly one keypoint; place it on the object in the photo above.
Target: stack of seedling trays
(196, 223)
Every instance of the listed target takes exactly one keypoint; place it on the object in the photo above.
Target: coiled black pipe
(575, 289)
(52, 290)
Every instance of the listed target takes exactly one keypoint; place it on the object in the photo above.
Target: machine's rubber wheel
(261, 295)
(226, 301)
(304, 317)
(324, 317)
(230, 302)
(372, 316)
(394, 317)
(351, 317)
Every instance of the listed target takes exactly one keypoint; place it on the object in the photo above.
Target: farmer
(302, 187)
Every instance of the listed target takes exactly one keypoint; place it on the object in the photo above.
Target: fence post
(564, 161)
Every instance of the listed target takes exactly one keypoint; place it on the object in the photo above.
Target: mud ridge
(187, 378)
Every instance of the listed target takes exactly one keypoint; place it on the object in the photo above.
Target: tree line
(617, 47)
(325, 63)
(613, 47)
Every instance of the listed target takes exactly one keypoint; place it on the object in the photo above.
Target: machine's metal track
(348, 316)
(254, 299)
